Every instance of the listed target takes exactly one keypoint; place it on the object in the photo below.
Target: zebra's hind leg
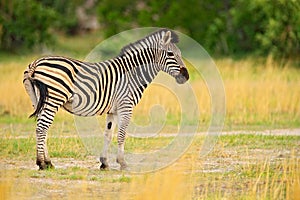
(44, 121)
(110, 126)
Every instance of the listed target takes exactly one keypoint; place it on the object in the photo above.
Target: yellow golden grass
(257, 92)
(267, 92)
(165, 184)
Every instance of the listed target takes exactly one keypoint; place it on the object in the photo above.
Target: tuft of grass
(122, 179)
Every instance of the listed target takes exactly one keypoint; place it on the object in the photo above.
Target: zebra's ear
(167, 38)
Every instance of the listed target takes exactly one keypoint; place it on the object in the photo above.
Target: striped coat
(111, 87)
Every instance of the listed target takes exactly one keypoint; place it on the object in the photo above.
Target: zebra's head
(170, 57)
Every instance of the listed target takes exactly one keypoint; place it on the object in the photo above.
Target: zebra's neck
(140, 64)
(138, 69)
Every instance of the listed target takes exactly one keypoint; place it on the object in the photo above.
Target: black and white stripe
(111, 87)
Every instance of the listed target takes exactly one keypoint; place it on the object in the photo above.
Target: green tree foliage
(190, 16)
(222, 27)
(66, 14)
(24, 23)
(267, 26)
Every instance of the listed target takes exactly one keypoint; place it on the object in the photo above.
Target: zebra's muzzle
(183, 76)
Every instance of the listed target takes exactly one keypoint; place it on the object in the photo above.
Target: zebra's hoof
(104, 167)
(45, 165)
(104, 164)
(123, 164)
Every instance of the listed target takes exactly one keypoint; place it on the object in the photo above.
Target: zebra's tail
(43, 93)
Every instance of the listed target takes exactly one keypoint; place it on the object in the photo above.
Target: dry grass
(261, 93)
(257, 94)
(14, 99)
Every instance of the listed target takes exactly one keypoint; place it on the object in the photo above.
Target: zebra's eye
(170, 53)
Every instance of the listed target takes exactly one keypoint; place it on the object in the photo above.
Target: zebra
(111, 87)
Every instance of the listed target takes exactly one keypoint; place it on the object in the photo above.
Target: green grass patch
(26, 147)
(139, 145)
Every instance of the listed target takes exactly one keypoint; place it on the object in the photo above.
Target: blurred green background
(223, 28)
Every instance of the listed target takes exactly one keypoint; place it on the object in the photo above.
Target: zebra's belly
(80, 106)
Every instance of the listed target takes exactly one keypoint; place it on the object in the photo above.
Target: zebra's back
(79, 87)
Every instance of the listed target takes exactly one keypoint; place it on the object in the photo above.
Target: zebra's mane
(138, 44)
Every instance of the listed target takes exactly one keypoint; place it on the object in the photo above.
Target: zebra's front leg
(124, 120)
(110, 126)
(42, 158)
